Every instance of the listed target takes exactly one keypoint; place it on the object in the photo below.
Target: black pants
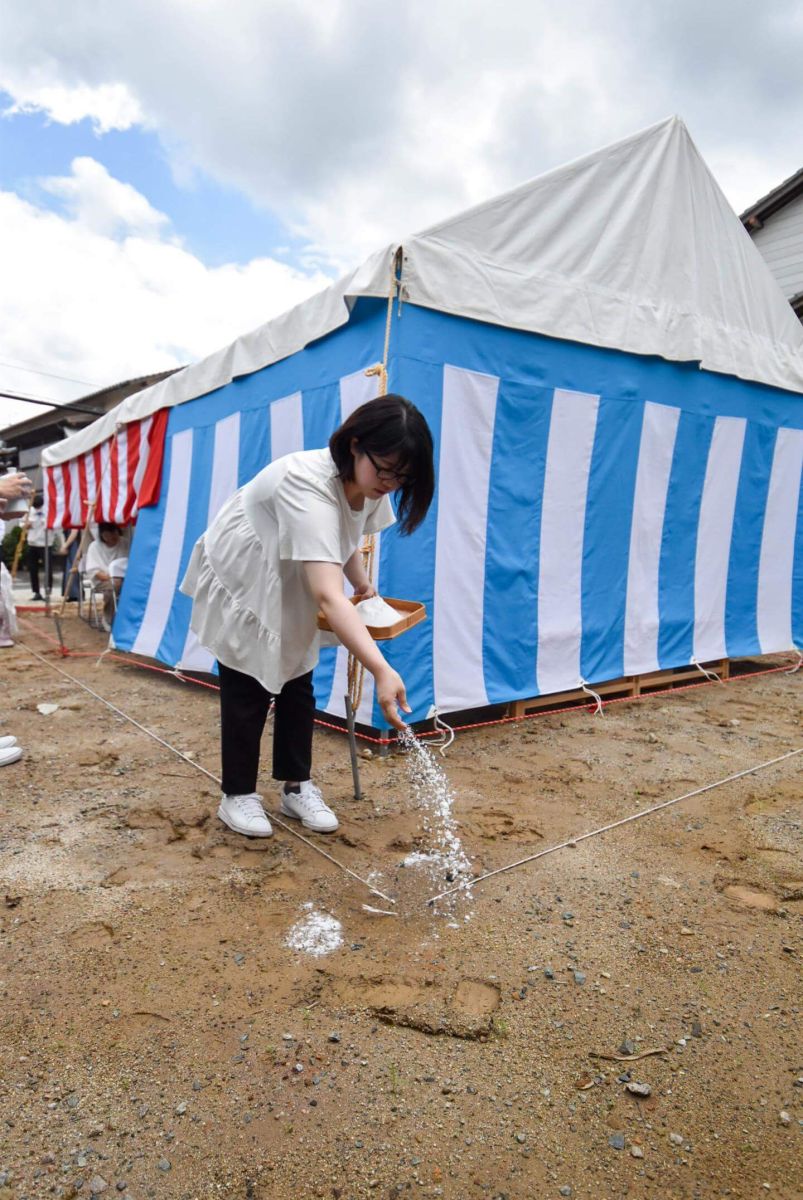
(244, 707)
(36, 560)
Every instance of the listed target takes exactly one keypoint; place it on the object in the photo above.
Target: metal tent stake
(57, 621)
(355, 768)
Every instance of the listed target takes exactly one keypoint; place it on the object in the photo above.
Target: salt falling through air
(445, 858)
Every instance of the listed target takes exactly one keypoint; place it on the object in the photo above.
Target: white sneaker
(11, 754)
(307, 806)
(245, 814)
(7, 741)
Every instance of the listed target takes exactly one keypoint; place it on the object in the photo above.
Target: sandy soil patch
(168, 1032)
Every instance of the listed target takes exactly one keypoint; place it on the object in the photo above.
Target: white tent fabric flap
(633, 247)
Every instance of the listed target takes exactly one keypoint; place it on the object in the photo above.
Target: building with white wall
(775, 224)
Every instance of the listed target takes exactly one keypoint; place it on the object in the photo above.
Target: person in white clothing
(13, 486)
(106, 559)
(276, 554)
(38, 559)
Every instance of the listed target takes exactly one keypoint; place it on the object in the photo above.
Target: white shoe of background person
(10, 754)
(304, 802)
(7, 741)
(245, 814)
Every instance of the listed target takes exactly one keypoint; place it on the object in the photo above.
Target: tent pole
(75, 569)
(356, 671)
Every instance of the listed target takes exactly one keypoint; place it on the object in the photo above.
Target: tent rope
(445, 733)
(356, 671)
(596, 695)
(575, 710)
(395, 288)
(710, 675)
(191, 762)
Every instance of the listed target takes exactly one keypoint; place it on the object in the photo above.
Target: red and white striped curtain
(118, 477)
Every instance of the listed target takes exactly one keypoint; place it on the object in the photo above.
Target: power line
(93, 412)
(28, 396)
(49, 374)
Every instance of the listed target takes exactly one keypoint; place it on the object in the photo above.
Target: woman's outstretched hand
(325, 582)
(392, 696)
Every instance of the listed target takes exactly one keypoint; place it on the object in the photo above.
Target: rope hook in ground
(203, 770)
(646, 812)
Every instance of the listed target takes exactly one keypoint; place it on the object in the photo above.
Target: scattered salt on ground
(445, 859)
(317, 933)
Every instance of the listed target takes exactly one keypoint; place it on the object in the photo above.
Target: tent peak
(661, 129)
(632, 247)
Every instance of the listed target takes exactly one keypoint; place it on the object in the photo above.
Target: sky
(173, 173)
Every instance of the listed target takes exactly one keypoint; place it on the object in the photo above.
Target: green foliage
(9, 546)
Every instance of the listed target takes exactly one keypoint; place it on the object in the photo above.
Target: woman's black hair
(391, 427)
(108, 527)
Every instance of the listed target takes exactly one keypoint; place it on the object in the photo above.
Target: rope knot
(598, 709)
(447, 732)
(710, 675)
(799, 662)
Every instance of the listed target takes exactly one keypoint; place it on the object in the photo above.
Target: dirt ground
(161, 1038)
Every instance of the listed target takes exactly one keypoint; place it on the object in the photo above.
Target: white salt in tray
(411, 612)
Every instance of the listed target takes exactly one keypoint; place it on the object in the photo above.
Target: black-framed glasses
(388, 474)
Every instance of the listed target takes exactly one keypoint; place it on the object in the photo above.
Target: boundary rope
(144, 729)
(646, 812)
(572, 710)
(466, 885)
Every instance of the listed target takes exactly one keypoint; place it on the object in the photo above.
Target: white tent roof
(633, 247)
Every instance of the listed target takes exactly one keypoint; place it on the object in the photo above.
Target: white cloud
(359, 120)
(109, 106)
(118, 300)
(356, 122)
(100, 203)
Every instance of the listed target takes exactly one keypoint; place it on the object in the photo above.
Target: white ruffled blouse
(252, 607)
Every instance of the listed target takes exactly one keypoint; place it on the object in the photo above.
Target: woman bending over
(276, 554)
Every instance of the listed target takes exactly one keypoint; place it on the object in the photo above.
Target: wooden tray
(412, 612)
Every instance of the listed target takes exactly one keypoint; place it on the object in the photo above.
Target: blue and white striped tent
(618, 427)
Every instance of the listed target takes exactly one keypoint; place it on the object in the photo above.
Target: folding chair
(90, 603)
